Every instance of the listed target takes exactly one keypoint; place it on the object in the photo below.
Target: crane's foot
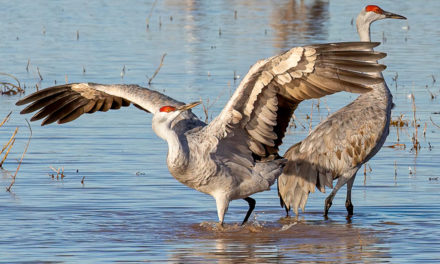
(349, 207)
(328, 204)
(251, 203)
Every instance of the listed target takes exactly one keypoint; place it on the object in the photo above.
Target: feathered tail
(298, 179)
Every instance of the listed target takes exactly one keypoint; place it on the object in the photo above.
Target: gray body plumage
(236, 154)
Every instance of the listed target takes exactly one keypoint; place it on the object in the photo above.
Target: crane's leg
(282, 203)
(348, 203)
(251, 203)
(328, 201)
(222, 207)
(287, 210)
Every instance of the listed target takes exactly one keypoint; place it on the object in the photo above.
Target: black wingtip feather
(54, 106)
(43, 93)
(45, 101)
(65, 110)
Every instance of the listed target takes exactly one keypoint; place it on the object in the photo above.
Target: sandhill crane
(339, 145)
(236, 154)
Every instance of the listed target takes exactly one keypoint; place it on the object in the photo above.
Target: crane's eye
(373, 8)
(167, 109)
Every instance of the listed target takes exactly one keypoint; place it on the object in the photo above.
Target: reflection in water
(192, 27)
(295, 23)
(287, 240)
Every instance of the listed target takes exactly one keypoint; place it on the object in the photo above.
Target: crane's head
(372, 13)
(162, 120)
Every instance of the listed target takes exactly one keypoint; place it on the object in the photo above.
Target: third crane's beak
(392, 15)
(188, 106)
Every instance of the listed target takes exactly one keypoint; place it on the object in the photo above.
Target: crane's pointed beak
(188, 106)
(392, 15)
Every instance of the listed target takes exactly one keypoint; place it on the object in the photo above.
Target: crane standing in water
(235, 155)
(339, 145)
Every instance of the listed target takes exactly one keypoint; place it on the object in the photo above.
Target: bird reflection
(299, 22)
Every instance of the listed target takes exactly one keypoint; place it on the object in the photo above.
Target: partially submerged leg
(329, 199)
(222, 207)
(283, 205)
(328, 203)
(348, 203)
(251, 203)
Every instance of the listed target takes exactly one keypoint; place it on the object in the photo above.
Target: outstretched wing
(65, 103)
(263, 104)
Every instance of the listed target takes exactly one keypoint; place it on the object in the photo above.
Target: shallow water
(130, 209)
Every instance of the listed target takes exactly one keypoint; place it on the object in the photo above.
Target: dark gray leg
(251, 203)
(328, 204)
(329, 199)
(287, 211)
(285, 206)
(348, 203)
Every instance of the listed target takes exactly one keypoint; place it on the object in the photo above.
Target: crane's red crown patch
(374, 8)
(167, 109)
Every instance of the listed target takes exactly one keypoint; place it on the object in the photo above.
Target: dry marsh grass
(8, 146)
(8, 87)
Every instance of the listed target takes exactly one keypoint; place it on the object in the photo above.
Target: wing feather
(89, 106)
(65, 110)
(98, 105)
(54, 106)
(351, 65)
(72, 115)
(108, 101)
(117, 103)
(354, 55)
(45, 93)
(348, 76)
(44, 101)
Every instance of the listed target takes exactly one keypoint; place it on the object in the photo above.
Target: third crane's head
(370, 14)
(165, 116)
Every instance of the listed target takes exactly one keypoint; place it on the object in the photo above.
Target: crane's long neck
(363, 28)
(177, 147)
(177, 150)
(381, 91)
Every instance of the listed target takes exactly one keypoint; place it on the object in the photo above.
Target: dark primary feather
(55, 106)
(65, 110)
(354, 55)
(44, 101)
(351, 65)
(348, 76)
(43, 94)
